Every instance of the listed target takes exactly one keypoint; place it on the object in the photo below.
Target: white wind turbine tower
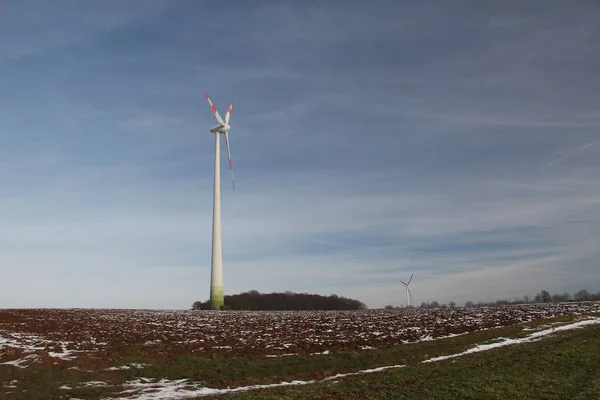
(216, 271)
(408, 294)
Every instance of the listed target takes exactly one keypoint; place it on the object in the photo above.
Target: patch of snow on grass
(280, 355)
(94, 384)
(183, 389)
(126, 367)
(22, 362)
(65, 354)
(507, 341)
(121, 368)
(10, 385)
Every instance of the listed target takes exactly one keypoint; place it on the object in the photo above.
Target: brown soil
(99, 338)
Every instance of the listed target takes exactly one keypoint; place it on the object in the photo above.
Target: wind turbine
(217, 298)
(408, 294)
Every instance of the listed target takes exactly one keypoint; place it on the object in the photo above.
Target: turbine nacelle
(220, 128)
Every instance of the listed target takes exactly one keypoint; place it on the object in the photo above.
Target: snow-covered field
(89, 339)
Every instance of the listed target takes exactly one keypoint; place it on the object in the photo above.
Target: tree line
(541, 297)
(253, 300)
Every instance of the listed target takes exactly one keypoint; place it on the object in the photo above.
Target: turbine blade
(219, 119)
(404, 283)
(230, 162)
(228, 115)
(410, 279)
(409, 293)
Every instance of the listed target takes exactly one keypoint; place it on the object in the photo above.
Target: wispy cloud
(572, 153)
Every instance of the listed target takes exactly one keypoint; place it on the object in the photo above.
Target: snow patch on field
(10, 385)
(126, 367)
(508, 341)
(430, 338)
(146, 389)
(32, 346)
(65, 354)
(94, 384)
(22, 362)
(280, 355)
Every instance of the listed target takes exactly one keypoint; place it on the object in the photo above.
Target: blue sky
(456, 140)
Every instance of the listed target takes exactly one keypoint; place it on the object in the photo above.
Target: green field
(559, 366)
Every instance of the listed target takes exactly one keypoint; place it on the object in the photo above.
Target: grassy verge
(42, 381)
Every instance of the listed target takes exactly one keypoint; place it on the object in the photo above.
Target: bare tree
(582, 295)
(197, 305)
(546, 298)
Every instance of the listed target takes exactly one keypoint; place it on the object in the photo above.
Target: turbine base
(217, 298)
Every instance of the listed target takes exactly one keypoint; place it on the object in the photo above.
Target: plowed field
(95, 339)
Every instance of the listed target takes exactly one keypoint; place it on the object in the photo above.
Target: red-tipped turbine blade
(228, 115)
(230, 161)
(214, 109)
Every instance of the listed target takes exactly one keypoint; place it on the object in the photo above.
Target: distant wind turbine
(408, 294)
(217, 298)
